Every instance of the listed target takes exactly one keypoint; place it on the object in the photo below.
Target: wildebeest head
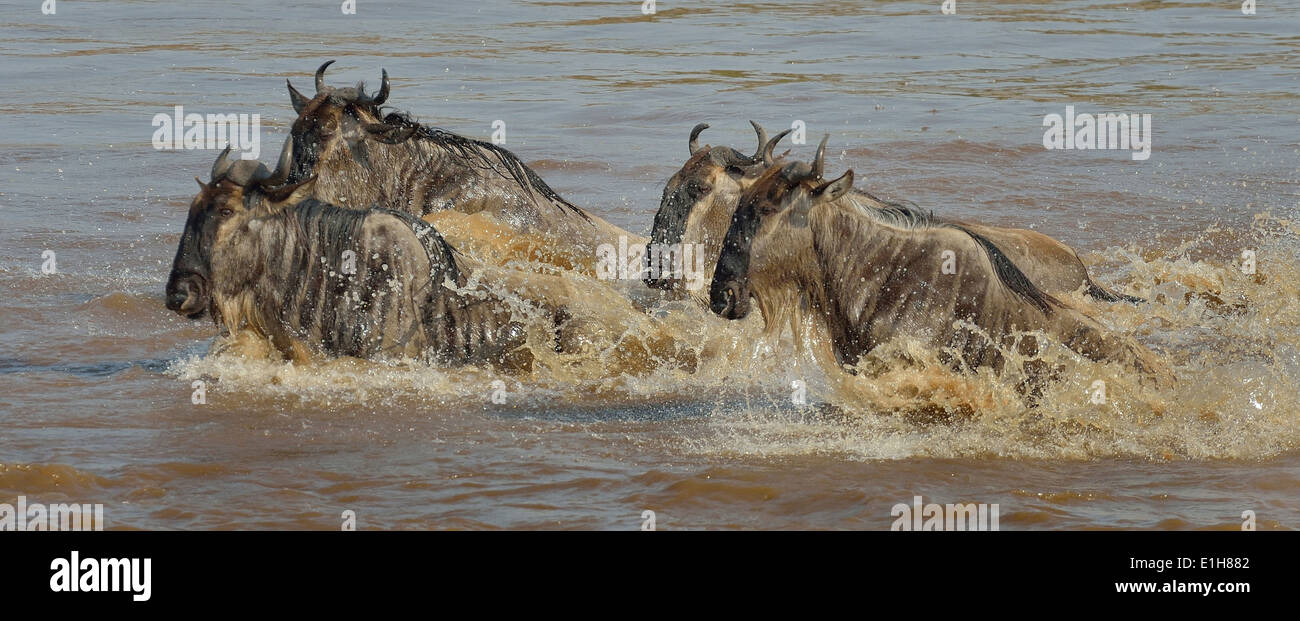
(338, 118)
(238, 189)
(769, 239)
(699, 198)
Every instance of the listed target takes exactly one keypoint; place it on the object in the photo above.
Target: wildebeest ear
(291, 194)
(833, 190)
(202, 185)
(389, 134)
(299, 100)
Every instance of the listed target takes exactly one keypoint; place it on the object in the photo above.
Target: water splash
(1233, 339)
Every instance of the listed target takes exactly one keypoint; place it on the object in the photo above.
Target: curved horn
(768, 148)
(694, 144)
(819, 164)
(283, 166)
(247, 172)
(382, 95)
(320, 76)
(298, 100)
(222, 164)
(762, 142)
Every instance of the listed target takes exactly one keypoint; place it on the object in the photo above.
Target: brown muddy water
(944, 110)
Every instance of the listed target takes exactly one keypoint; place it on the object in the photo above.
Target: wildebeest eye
(226, 211)
(698, 188)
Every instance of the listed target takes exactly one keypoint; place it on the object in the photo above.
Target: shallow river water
(947, 111)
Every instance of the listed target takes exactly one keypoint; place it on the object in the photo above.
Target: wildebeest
(364, 157)
(699, 200)
(871, 278)
(313, 278)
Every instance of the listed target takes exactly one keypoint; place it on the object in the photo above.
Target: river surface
(97, 377)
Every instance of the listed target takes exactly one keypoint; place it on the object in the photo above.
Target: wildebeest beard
(400, 301)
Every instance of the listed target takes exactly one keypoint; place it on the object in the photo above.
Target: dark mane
(341, 226)
(440, 252)
(337, 229)
(904, 214)
(1010, 275)
(909, 216)
(482, 154)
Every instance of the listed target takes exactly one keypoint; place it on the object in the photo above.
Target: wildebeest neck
(729, 290)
